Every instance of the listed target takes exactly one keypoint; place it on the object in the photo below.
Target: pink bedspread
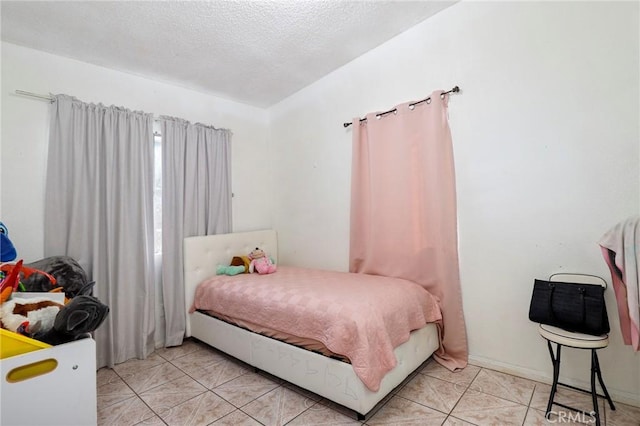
(363, 317)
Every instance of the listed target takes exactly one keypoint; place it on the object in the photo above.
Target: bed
(326, 376)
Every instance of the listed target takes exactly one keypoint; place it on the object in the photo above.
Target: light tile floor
(194, 384)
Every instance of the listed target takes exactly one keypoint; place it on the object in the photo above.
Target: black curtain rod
(456, 89)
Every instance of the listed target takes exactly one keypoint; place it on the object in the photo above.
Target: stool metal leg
(604, 388)
(555, 360)
(594, 397)
(595, 372)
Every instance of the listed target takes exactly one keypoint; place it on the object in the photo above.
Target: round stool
(562, 338)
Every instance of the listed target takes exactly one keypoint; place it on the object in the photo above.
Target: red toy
(10, 283)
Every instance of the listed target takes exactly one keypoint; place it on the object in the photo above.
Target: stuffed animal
(10, 281)
(243, 261)
(83, 315)
(261, 263)
(29, 316)
(7, 250)
(229, 270)
(51, 322)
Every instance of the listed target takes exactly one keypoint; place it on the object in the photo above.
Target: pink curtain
(403, 210)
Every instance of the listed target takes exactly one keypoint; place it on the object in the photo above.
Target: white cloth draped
(621, 251)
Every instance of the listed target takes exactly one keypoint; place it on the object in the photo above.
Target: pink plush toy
(260, 263)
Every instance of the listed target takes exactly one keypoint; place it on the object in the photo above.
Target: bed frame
(327, 377)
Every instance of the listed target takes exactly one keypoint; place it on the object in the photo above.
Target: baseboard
(545, 377)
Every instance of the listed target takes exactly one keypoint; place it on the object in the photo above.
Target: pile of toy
(24, 311)
(256, 261)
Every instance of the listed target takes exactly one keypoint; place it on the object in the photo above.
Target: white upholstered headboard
(202, 255)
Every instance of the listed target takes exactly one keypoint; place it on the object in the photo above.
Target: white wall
(546, 137)
(25, 134)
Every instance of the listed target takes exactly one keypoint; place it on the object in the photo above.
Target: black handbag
(574, 307)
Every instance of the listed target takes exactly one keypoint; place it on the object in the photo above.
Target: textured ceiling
(255, 52)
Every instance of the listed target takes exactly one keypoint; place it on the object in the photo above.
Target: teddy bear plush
(260, 262)
(243, 261)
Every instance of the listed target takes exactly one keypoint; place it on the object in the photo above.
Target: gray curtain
(99, 210)
(196, 200)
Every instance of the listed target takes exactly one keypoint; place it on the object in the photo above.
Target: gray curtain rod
(50, 99)
(455, 89)
(34, 95)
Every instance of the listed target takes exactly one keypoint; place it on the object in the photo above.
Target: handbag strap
(552, 286)
(560, 274)
(581, 290)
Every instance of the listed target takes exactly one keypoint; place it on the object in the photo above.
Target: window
(157, 193)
